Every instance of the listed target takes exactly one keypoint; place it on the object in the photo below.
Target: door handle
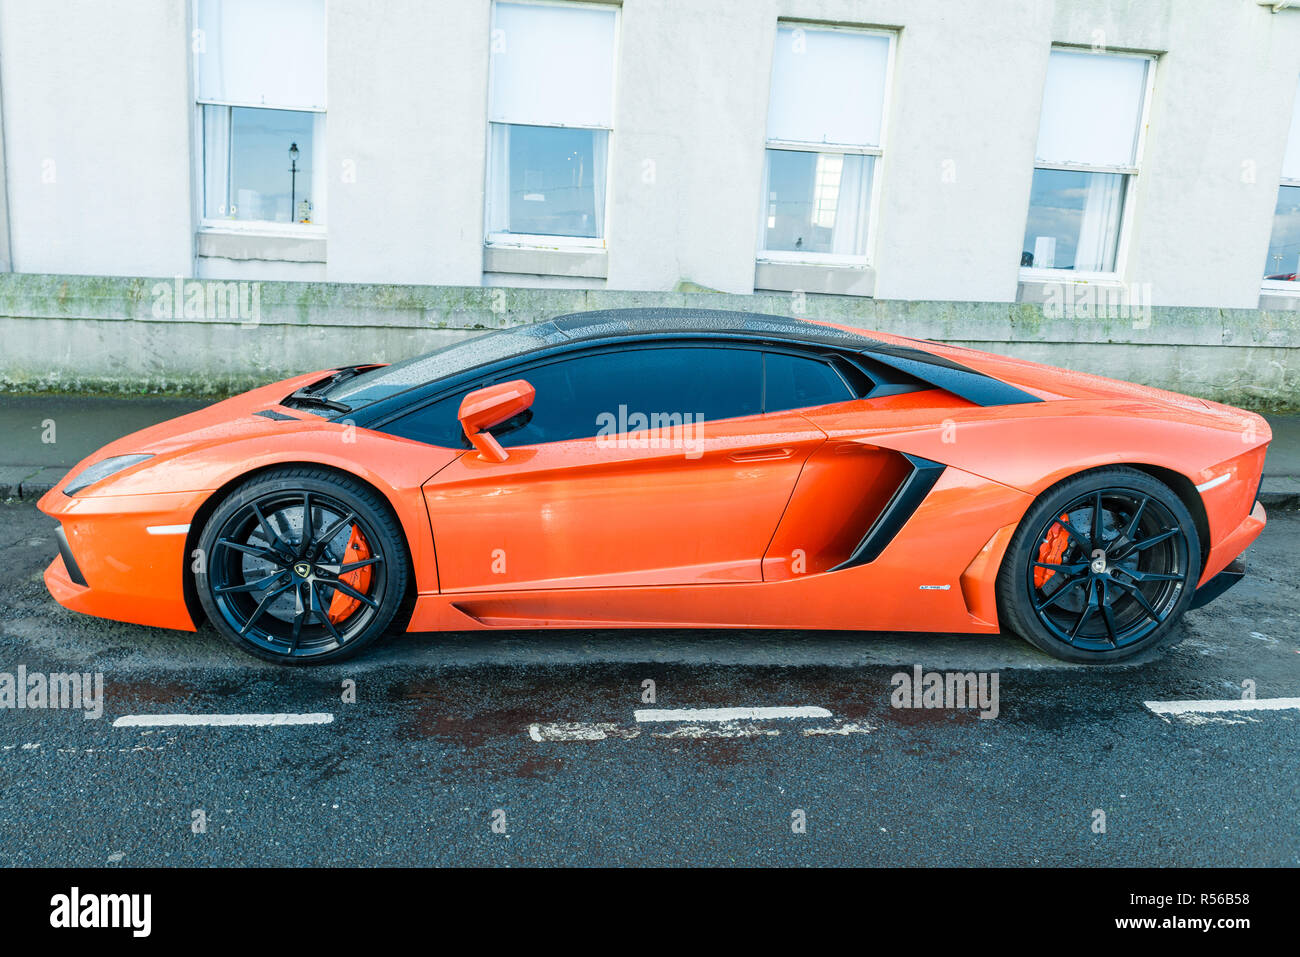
(763, 455)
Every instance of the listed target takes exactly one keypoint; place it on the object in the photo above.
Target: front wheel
(302, 566)
(1101, 568)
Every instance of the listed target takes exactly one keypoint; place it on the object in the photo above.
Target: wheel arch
(221, 493)
(1175, 481)
(1178, 483)
(1185, 489)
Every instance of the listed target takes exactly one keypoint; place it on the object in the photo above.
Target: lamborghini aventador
(670, 468)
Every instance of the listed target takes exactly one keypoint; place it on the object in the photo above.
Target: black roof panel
(607, 323)
(384, 388)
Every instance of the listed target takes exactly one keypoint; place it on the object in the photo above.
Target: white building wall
(691, 101)
(1220, 112)
(406, 134)
(97, 136)
(98, 109)
(959, 154)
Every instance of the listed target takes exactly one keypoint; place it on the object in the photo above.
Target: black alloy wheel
(302, 565)
(1101, 567)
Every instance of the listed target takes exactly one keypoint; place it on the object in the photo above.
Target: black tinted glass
(435, 424)
(794, 382)
(605, 393)
(580, 397)
(377, 384)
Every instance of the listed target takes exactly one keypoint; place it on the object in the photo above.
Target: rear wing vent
(899, 369)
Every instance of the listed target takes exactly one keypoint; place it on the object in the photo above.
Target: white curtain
(1291, 160)
(262, 53)
(599, 169)
(552, 65)
(498, 185)
(1092, 104)
(847, 239)
(828, 86)
(216, 162)
(319, 165)
(1099, 230)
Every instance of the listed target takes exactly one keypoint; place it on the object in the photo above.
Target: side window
(795, 382)
(575, 397)
(434, 424)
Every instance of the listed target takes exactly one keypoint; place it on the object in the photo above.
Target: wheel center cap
(302, 570)
(1099, 562)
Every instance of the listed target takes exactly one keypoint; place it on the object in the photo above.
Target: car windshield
(381, 383)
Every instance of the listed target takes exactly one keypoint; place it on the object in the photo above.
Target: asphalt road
(437, 746)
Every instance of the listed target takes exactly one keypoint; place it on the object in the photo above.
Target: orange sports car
(682, 468)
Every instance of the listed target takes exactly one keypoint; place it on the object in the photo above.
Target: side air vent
(898, 510)
(950, 376)
(70, 563)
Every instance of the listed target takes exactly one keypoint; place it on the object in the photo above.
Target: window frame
(253, 227)
(1040, 274)
(872, 204)
(544, 240)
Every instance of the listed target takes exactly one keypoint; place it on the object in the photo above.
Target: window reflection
(816, 202)
(1074, 220)
(249, 172)
(547, 181)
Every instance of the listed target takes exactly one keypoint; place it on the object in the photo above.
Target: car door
(635, 466)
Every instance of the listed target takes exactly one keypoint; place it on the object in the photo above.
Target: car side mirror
(484, 408)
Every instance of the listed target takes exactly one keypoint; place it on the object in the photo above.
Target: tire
(1120, 587)
(295, 599)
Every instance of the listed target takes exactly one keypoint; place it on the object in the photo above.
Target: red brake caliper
(1050, 552)
(342, 605)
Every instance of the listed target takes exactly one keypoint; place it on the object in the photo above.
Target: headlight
(102, 470)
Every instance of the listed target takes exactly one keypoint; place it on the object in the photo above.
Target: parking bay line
(219, 720)
(1220, 705)
(695, 723)
(727, 714)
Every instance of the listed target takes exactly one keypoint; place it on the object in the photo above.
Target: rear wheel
(302, 566)
(1101, 568)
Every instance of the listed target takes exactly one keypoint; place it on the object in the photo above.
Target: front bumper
(1233, 544)
(123, 556)
(1220, 583)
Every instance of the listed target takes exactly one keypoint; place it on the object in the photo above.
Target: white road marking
(1193, 718)
(1231, 704)
(218, 720)
(727, 714)
(725, 729)
(166, 529)
(846, 727)
(569, 731)
(579, 731)
(1214, 482)
(694, 723)
(36, 747)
